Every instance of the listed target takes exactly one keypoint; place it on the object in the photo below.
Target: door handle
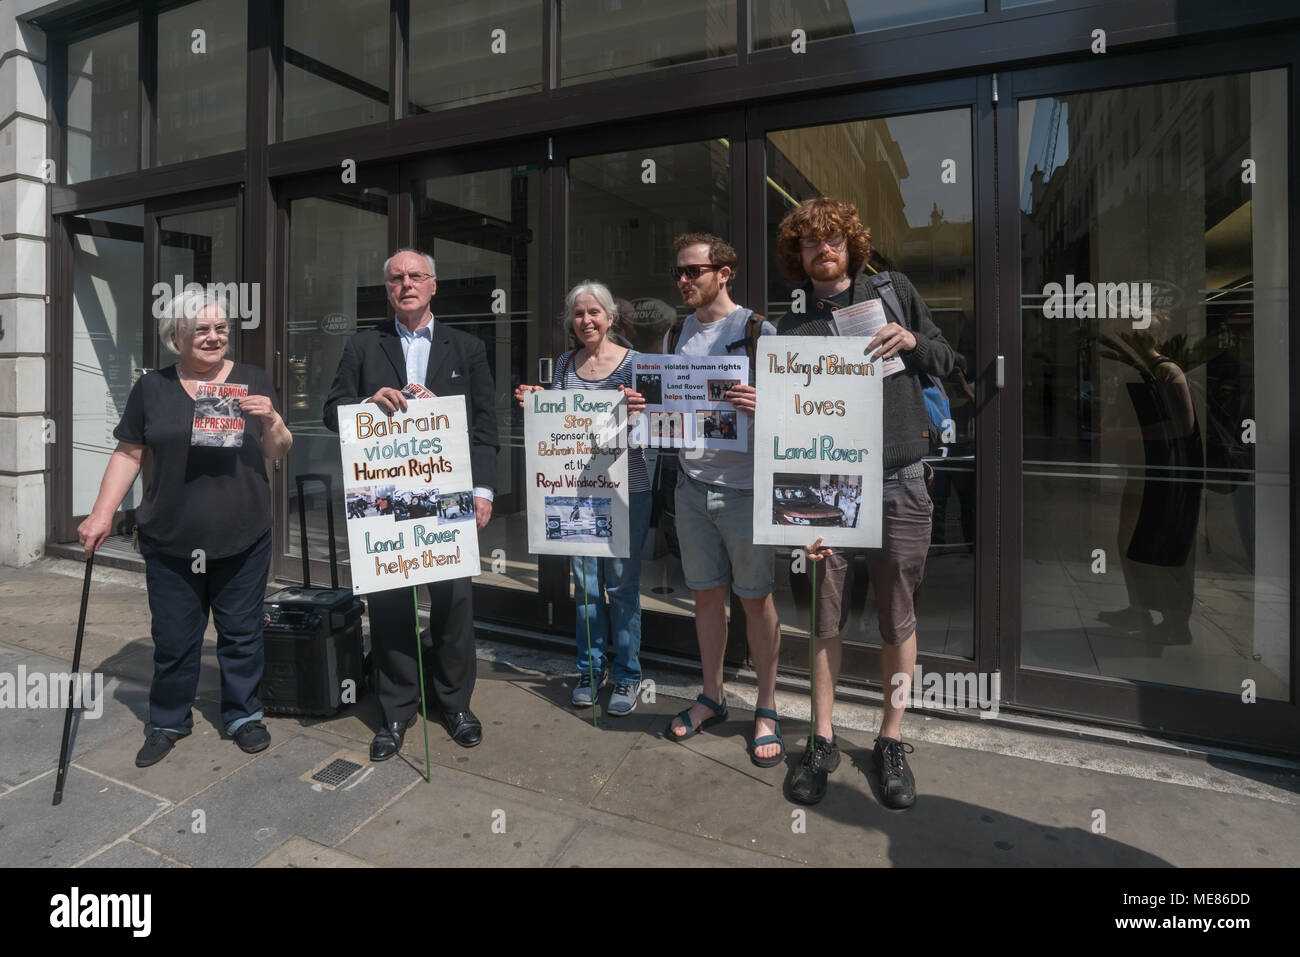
(544, 370)
(1000, 372)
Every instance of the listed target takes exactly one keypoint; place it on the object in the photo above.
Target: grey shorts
(896, 568)
(715, 531)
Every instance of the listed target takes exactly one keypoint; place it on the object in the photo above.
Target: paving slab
(30, 737)
(94, 812)
(635, 844)
(450, 823)
(300, 852)
(129, 855)
(196, 762)
(264, 803)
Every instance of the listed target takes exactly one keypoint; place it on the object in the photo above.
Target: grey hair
(407, 249)
(181, 315)
(598, 291)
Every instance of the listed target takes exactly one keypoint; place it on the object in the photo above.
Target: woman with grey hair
(600, 363)
(204, 524)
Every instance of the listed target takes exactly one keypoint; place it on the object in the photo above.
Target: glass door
(335, 239)
(480, 219)
(906, 160)
(629, 194)
(1155, 387)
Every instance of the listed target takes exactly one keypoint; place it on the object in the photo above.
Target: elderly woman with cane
(601, 363)
(205, 522)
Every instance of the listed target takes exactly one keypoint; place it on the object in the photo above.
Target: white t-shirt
(719, 466)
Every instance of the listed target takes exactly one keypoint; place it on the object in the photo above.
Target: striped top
(638, 479)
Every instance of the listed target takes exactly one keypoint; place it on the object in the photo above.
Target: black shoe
(465, 729)
(389, 741)
(252, 737)
(897, 786)
(156, 746)
(819, 760)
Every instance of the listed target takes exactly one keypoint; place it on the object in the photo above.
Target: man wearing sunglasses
(714, 503)
(825, 248)
(377, 365)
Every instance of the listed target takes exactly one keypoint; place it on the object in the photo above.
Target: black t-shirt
(216, 499)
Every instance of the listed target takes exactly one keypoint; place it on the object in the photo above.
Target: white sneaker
(623, 700)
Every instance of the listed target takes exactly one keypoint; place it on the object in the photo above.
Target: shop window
(103, 132)
(1156, 391)
(597, 42)
(775, 21)
(335, 65)
(471, 51)
(202, 57)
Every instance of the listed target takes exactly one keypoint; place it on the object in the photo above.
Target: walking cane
(76, 669)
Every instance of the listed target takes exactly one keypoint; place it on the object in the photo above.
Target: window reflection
(921, 223)
(1156, 383)
(104, 105)
(621, 230)
(600, 39)
(776, 20)
(107, 341)
(481, 229)
(337, 247)
(470, 51)
(335, 65)
(202, 56)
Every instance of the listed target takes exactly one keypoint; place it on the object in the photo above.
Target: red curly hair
(820, 218)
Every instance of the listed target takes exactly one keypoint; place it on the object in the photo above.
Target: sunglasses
(690, 272)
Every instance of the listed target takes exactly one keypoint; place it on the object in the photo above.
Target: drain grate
(336, 772)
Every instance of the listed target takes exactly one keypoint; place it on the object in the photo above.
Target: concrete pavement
(546, 788)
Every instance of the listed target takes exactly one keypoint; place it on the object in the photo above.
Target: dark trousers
(179, 601)
(450, 664)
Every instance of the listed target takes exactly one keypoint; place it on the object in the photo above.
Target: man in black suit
(376, 365)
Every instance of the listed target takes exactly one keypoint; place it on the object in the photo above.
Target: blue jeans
(620, 580)
(179, 601)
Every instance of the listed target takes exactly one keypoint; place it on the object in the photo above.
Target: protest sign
(409, 493)
(817, 466)
(685, 402)
(576, 456)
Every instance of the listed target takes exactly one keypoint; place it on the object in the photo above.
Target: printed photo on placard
(820, 501)
(579, 519)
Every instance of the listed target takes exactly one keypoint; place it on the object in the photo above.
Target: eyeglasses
(415, 277)
(694, 271)
(222, 330)
(835, 242)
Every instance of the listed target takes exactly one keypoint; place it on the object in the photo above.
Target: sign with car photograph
(817, 442)
(575, 442)
(408, 493)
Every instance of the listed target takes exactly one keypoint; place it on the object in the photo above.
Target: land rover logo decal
(338, 324)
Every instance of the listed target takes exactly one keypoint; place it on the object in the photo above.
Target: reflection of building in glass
(623, 226)
(602, 41)
(863, 163)
(1138, 184)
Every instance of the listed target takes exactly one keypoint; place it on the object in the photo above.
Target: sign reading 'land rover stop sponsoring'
(409, 493)
(576, 444)
(817, 442)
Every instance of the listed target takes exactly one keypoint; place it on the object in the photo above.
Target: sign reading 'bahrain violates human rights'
(576, 443)
(817, 442)
(409, 493)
